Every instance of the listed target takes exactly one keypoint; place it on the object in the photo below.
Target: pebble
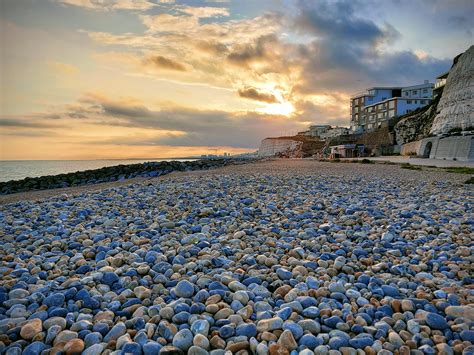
(262, 262)
(31, 328)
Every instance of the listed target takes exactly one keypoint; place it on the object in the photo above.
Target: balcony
(439, 83)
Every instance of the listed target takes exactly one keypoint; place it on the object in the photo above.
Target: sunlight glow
(281, 108)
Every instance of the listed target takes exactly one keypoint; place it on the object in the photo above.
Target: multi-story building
(422, 91)
(376, 107)
(370, 97)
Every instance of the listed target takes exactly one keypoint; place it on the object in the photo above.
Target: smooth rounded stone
(413, 326)
(196, 350)
(18, 293)
(151, 348)
(142, 292)
(95, 349)
(269, 324)
(283, 274)
(59, 321)
(64, 336)
(262, 349)
(237, 346)
(34, 348)
(116, 332)
(217, 342)
(246, 329)
(287, 340)
(460, 312)
(74, 346)
(444, 349)
(339, 262)
(184, 289)
(183, 339)
(201, 341)
(395, 340)
(241, 296)
(200, 326)
(310, 341)
(236, 286)
(171, 350)
(436, 321)
(54, 300)
(31, 328)
(122, 340)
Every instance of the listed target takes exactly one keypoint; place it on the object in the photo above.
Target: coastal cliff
(456, 107)
(290, 147)
(416, 125)
(452, 110)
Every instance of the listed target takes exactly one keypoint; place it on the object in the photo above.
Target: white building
(334, 132)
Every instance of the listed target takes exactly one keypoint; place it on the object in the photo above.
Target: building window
(415, 102)
(414, 92)
(406, 93)
(425, 91)
(422, 102)
(409, 102)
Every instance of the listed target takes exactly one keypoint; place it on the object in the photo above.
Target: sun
(281, 108)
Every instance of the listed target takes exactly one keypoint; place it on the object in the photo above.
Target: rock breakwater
(112, 173)
(264, 262)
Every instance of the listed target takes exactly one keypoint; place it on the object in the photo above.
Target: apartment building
(376, 107)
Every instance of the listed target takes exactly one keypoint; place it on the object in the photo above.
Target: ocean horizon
(20, 169)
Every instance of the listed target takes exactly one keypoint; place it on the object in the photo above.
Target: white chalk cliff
(456, 107)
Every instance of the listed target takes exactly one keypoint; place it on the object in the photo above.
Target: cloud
(107, 5)
(462, 22)
(64, 68)
(254, 94)
(165, 63)
(23, 123)
(179, 126)
(349, 52)
(204, 12)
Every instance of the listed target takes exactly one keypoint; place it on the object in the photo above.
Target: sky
(111, 79)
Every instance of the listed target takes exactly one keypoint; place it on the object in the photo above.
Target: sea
(20, 169)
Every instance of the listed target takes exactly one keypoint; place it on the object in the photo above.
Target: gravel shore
(278, 257)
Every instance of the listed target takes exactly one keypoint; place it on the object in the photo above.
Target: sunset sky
(93, 79)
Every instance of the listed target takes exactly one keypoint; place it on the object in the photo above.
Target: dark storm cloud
(346, 52)
(337, 20)
(242, 55)
(254, 94)
(165, 63)
(22, 123)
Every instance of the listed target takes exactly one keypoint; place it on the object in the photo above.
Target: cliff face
(416, 125)
(290, 147)
(456, 107)
(273, 146)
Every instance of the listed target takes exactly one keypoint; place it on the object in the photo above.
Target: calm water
(20, 169)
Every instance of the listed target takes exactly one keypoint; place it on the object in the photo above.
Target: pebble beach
(276, 257)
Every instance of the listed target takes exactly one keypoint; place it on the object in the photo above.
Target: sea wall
(456, 107)
(113, 173)
(448, 148)
(411, 148)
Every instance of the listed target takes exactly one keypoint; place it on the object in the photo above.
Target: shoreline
(274, 163)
